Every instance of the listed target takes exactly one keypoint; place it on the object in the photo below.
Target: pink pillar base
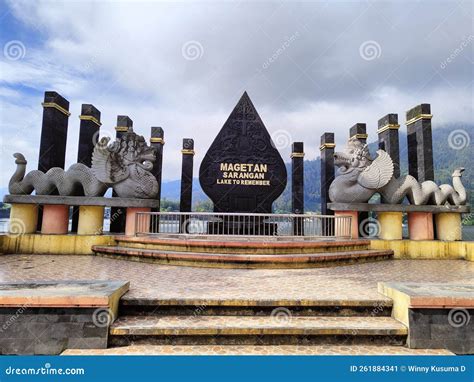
(420, 225)
(143, 224)
(55, 219)
(355, 222)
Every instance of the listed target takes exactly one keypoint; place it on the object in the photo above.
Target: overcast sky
(308, 67)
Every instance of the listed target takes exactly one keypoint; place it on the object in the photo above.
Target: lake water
(468, 231)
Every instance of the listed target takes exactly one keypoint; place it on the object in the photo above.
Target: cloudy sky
(309, 67)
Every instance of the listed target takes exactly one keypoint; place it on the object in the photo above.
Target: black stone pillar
(420, 142)
(52, 151)
(88, 136)
(388, 139)
(327, 149)
(117, 214)
(359, 131)
(297, 186)
(54, 132)
(157, 141)
(185, 203)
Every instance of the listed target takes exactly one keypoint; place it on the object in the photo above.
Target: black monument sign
(243, 171)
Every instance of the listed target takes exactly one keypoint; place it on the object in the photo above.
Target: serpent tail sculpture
(124, 165)
(359, 177)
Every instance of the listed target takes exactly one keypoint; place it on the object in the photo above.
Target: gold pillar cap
(90, 118)
(327, 146)
(390, 126)
(56, 106)
(418, 117)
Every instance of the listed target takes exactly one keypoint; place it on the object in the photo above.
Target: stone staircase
(248, 252)
(243, 323)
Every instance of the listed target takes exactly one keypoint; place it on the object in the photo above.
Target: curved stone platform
(242, 252)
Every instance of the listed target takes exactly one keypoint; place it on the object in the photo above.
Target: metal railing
(233, 224)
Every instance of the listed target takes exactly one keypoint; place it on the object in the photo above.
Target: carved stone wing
(107, 165)
(379, 173)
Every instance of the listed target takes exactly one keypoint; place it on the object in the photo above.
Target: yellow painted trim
(91, 220)
(448, 226)
(157, 140)
(390, 126)
(361, 136)
(418, 117)
(427, 249)
(90, 118)
(327, 146)
(23, 219)
(401, 302)
(56, 106)
(391, 225)
(53, 244)
(297, 155)
(187, 152)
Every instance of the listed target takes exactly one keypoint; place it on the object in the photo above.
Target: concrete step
(135, 306)
(241, 245)
(258, 350)
(280, 328)
(243, 260)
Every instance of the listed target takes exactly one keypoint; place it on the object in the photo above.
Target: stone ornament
(359, 177)
(125, 165)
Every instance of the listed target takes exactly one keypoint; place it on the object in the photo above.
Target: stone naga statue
(124, 165)
(359, 177)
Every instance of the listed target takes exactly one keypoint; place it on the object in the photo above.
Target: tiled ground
(257, 350)
(354, 282)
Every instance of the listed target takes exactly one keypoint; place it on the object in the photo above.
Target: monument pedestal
(131, 225)
(420, 225)
(23, 219)
(448, 226)
(91, 220)
(354, 222)
(55, 219)
(391, 225)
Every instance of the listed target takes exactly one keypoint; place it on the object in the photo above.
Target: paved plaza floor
(353, 282)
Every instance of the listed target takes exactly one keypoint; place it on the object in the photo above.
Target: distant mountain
(171, 190)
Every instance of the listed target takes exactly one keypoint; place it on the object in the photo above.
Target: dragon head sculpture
(358, 175)
(126, 166)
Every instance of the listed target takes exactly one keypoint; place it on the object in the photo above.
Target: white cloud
(126, 58)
